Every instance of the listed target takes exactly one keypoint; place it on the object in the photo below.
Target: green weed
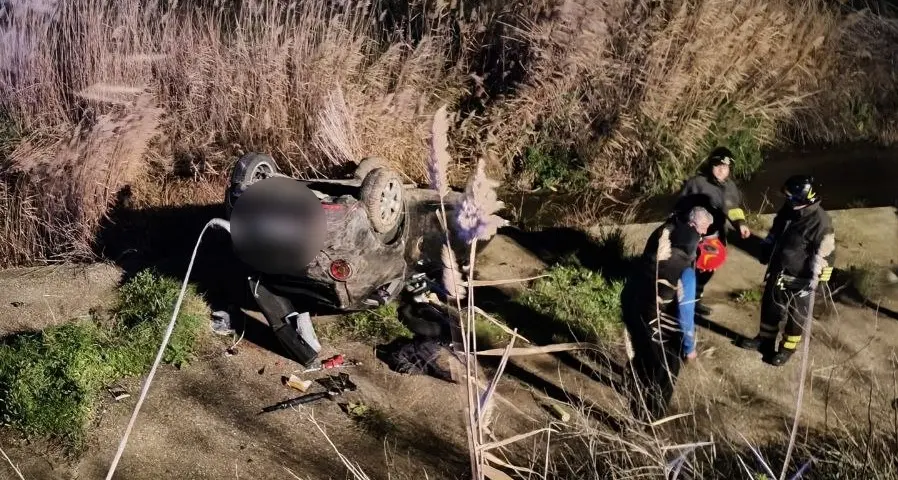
(50, 381)
(741, 135)
(371, 419)
(376, 325)
(869, 280)
(488, 333)
(579, 298)
(749, 296)
(555, 168)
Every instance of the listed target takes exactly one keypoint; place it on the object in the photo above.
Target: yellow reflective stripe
(826, 274)
(791, 341)
(736, 214)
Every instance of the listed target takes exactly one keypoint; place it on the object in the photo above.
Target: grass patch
(380, 324)
(50, 381)
(488, 333)
(749, 296)
(579, 298)
(555, 168)
(371, 419)
(870, 281)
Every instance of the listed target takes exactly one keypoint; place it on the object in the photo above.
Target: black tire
(249, 169)
(384, 198)
(368, 165)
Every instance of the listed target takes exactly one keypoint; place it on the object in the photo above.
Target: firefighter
(658, 317)
(799, 252)
(714, 190)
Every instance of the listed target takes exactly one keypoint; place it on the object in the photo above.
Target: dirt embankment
(203, 421)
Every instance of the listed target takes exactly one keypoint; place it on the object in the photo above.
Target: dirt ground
(203, 421)
(852, 351)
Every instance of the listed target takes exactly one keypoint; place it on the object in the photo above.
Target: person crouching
(657, 305)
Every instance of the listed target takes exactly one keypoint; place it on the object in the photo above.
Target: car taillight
(340, 270)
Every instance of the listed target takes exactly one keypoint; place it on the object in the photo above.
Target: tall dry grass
(638, 91)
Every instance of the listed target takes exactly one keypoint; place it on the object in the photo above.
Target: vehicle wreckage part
(335, 385)
(383, 197)
(249, 169)
(340, 270)
(215, 222)
(302, 323)
(278, 227)
(278, 311)
(367, 165)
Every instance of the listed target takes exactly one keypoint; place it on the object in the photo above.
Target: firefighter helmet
(800, 190)
(711, 254)
(721, 156)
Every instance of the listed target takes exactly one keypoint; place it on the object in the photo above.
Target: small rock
(18, 304)
(262, 370)
(891, 277)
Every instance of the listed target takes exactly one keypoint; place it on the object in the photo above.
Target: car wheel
(368, 165)
(383, 197)
(251, 168)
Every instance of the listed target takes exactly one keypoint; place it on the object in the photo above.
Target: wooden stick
(15, 469)
(501, 325)
(524, 351)
(496, 460)
(494, 283)
(501, 443)
(487, 396)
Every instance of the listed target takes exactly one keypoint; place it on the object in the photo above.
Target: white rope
(215, 222)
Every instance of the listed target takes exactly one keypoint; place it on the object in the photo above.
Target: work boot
(780, 358)
(702, 309)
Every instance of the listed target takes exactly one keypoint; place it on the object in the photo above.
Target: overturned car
(342, 245)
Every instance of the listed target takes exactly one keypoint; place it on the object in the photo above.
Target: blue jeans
(686, 310)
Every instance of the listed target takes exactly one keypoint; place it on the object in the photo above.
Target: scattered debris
(557, 411)
(118, 392)
(415, 357)
(221, 323)
(336, 385)
(337, 361)
(298, 383)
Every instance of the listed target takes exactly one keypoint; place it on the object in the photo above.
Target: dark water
(849, 176)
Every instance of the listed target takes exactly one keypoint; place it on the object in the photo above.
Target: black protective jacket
(670, 249)
(801, 243)
(722, 200)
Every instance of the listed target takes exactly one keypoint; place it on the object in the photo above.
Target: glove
(825, 275)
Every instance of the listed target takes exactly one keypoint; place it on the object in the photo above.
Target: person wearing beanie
(714, 190)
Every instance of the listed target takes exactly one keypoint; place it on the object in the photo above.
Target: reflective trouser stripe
(791, 341)
(768, 331)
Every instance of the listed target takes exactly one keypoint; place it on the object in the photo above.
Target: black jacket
(801, 243)
(722, 200)
(677, 244)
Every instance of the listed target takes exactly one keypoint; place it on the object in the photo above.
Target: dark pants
(701, 279)
(657, 355)
(783, 304)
